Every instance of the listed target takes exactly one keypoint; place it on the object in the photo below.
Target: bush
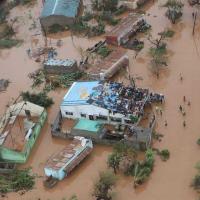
(198, 141)
(143, 169)
(3, 13)
(17, 180)
(40, 99)
(6, 32)
(87, 17)
(114, 161)
(104, 186)
(55, 28)
(104, 51)
(196, 182)
(174, 10)
(8, 43)
(105, 5)
(168, 33)
(164, 154)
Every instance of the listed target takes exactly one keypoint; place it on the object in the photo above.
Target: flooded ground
(171, 179)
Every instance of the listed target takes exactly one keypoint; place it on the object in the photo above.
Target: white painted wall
(88, 110)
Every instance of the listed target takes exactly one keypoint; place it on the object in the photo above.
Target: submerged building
(107, 112)
(20, 127)
(125, 30)
(109, 66)
(61, 12)
(109, 102)
(58, 66)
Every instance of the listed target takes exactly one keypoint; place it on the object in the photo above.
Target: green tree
(103, 187)
(174, 10)
(114, 161)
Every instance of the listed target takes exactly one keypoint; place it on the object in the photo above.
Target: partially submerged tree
(40, 98)
(143, 169)
(174, 10)
(158, 51)
(104, 186)
(114, 161)
(164, 154)
(17, 180)
(196, 180)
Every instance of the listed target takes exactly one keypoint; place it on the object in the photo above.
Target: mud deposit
(171, 179)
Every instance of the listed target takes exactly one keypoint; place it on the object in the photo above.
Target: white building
(100, 101)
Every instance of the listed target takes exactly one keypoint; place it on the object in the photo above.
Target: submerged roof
(68, 8)
(59, 62)
(79, 93)
(125, 25)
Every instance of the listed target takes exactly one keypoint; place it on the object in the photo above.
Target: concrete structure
(60, 165)
(109, 102)
(20, 127)
(126, 29)
(109, 66)
(62, 12)
(57, 66)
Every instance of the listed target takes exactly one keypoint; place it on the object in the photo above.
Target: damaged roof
(79, 93)
(68, 8)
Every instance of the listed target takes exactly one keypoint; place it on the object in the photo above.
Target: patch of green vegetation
(73, 197)
(9, 43)
(168, 33)
(198, 141)
(174, 10)
(40, 77)
(120, 10)
(142, 170)
(158, 51)
(3, 13)
(87, 16)
(164, 154)
(108, 17)
(6, 32)
(104, 51)
(114, 161)
(40, 98)
(55, 28)
(104, 186)
(134, 119)
(139, 47)
(173, 4)
(157, 136)
(196, 180)
(16, 180)
(105, 5)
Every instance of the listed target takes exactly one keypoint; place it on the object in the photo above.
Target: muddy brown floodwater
(171, 179)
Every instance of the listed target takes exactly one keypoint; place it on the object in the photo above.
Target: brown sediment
(169, 180)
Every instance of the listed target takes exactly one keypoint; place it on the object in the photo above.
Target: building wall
(60, 69)
(89, 111)
(48, 21)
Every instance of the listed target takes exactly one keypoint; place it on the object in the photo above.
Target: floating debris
(4, 84)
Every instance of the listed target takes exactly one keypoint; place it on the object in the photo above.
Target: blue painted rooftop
(68, 8)
(79, 93)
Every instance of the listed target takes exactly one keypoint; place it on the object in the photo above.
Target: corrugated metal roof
(68, 8)
(79, 93)
(59, 62)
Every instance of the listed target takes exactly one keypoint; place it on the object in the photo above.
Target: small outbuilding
(57, 66)
(108, 67)
(61, 12)
(127, 28)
